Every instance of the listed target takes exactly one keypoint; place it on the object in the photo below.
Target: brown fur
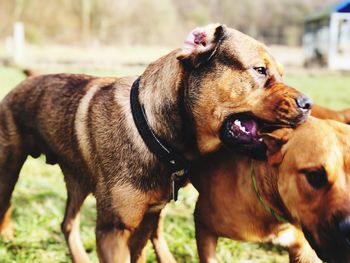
(326, 113)
(206, 240)
(228, 205)
(84, 124)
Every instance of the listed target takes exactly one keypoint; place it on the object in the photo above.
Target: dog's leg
(159, 244)
(206, 242)
(71, 222)
(298, 248)
(206, 245)
(12, 157)
(302, 254)
(8, 180)
(141, 258)
(150, 227)
(112, 243)
(139, 237)
(6, 229)
(118, 215)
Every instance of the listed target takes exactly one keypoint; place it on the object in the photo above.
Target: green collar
(262, 201)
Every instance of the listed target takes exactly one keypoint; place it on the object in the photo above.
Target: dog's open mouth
(240, 132)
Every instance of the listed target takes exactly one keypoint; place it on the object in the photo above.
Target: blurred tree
(154, 21)
(84, 9)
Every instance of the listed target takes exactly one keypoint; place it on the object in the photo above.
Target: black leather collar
(177, 163)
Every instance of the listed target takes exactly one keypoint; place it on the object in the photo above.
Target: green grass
(331, 90)
(40, 195)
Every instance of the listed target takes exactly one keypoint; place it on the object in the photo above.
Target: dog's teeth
(238, 123)
(242, 128)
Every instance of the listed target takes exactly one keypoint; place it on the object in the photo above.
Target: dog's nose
(344, 227)
(304, 102)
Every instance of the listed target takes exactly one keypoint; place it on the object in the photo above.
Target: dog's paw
(7, 233)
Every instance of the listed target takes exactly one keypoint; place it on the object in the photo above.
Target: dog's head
(233, 86)
(314, 182)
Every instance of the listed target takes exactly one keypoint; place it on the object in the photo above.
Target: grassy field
(39, 197)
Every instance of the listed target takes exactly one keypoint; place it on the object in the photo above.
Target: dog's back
(52, 114)
(43, 110)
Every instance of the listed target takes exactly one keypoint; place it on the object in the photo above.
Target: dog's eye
(316, 178)
(261, 70)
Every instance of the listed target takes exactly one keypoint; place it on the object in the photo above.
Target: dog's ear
(201, 45)
(274, 142)
(280, 68)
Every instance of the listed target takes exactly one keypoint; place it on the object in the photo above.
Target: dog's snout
(304, 102)
(344, 227)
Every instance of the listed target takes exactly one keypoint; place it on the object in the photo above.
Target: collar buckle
(178, 179)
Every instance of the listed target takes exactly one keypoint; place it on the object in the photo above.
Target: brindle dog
(85, 124)
(305, 183)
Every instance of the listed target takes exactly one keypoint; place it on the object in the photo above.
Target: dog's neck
(161, 94)
(267, 184)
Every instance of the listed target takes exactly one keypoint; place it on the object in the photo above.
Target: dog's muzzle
(334, 241)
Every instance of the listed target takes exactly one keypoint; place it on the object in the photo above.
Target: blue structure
(343, 7)
(327, 37)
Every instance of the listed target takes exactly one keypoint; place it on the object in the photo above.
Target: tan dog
(86, 125)
(306, 182)
(160, 246)
(326, 113)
